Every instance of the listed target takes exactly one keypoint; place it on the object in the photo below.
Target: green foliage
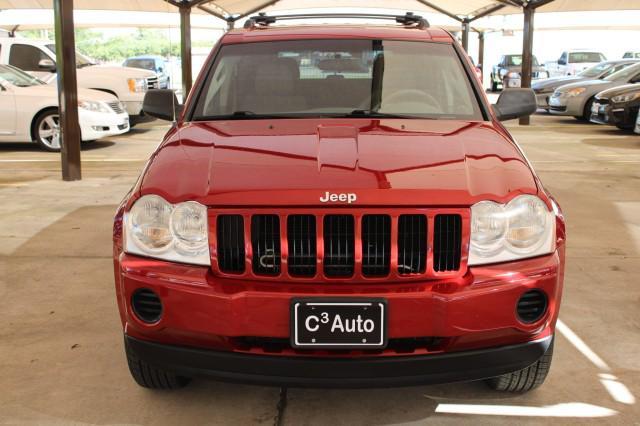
(95, 45)
(144, 41)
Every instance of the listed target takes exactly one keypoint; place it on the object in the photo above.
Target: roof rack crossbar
(263, 20)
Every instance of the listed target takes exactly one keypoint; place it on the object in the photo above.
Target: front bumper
(566, 106)
(96, 125)
(226, 319)
(614, 115)
(358, 372)
(542, 99)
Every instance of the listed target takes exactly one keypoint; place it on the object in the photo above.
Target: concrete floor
(61, 358)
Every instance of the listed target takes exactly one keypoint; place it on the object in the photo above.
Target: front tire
(151, 377)
(526, 379)
(46, 130)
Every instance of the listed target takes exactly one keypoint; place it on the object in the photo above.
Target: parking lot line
(570, 409)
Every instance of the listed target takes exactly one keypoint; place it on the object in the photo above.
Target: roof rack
(264, 20)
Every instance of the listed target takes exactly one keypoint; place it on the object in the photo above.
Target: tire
(494, 86)
(624, 127)
(151, 377)
(586, 113)
(46, 130)
(526, 379)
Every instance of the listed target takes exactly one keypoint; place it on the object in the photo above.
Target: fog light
(531, 306)
(146, 305)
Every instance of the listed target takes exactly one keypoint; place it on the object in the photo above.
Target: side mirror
(515, 103)
(162, 104)
(47, 65)
(160, 70)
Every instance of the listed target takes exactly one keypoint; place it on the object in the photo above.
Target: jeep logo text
(329, 197)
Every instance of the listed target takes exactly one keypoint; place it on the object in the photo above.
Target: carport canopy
(463, 11)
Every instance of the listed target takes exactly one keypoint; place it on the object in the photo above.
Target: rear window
(582, 57)
(147, 64)
(337, 78)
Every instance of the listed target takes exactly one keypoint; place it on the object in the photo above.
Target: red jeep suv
(339, 205)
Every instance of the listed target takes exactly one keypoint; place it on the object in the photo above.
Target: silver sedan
(576, 99)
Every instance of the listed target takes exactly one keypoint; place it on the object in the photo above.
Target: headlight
(522, 228)
(93, 106)
(138, 85)
(626, 98)
(513, 75)
(156, 228)
(574, 92)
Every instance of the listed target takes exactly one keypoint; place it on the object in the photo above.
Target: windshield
(582, 57)
(624, 74)
(146, 64)
(516, 61)
(337, 78)
(81, 60)
(17, 77)
(596, 70)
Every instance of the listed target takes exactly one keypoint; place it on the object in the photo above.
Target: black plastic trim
(307, 371)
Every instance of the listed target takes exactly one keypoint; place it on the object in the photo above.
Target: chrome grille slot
(116, 106)
(265, 241)
(230, 235)
(339, 245)
(412, 244)
(376, 245)
(301, 240)
(447, 239)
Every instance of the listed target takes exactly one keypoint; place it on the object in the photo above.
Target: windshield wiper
(367, 113)
(242, 115)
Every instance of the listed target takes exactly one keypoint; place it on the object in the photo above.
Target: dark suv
(339, 206)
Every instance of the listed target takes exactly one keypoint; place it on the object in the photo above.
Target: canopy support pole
(481, 49)
(527, 53)
(185, 50)
(466, 27)
(70, 138)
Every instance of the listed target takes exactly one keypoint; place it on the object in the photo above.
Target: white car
(29, 111)
(38, 58)
(573, 62)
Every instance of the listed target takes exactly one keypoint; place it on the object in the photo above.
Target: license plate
(338, 323)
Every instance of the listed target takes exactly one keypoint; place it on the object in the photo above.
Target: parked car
(38, 57)
(618, 106)
(576, 99)
(572, 62)
(29, 111)
(311, 231)
(544, 88)
(157, 64)
(507, 73)
(635, 55)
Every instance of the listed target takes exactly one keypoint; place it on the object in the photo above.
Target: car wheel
(152, 377)
(586, 113)
(494, 86)
(46, 130)
(526, 379)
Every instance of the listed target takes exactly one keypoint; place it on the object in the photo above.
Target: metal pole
(481, 49)
(185, 50)
(465, 35)
(527, 52)
(67, 89)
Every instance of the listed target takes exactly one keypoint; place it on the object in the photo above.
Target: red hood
(295, 162)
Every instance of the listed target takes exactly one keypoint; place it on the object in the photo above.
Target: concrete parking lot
(61, 357)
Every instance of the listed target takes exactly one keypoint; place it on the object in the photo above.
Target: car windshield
(582, 57)
(146, 64)
(81, 60)
(337, 78)
(516, 61)
(596, 70)
(624, 74)
(17, 77)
